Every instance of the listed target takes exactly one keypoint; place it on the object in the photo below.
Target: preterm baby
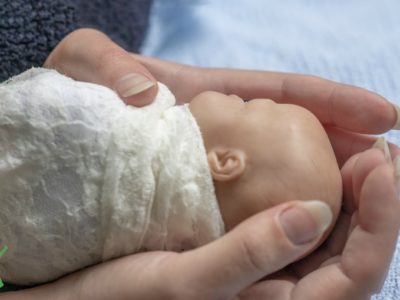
(85, 178)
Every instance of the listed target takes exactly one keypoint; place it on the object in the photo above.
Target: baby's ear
(226, 163)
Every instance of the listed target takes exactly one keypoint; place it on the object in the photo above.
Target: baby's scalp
(298, 162)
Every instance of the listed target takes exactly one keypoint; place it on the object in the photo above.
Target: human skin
(231, 267)
(89, 55)
(261, 154)
(167, 294)
(206, 268)
(337, 106)
(96, 58)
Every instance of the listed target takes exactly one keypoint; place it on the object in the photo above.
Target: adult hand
(347, 112)
(89, 55)
(259, 246)
(351, 265)
(353, 262)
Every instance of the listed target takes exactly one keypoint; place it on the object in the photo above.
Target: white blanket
(85, 178)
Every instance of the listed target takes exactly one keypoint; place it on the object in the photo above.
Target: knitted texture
(30, 29)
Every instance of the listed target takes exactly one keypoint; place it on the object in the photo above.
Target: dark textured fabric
(30, 29)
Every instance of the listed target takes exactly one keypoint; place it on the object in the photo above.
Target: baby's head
(261, 154)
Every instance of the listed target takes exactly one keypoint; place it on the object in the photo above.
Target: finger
(383, 146)
(370, 247)
(354, 173)
(327, 252)
(335, 242)
(184, 81)
(346, 144)
(362, 267)
(352, 179)
(334, 104)
(259, 246)
(367, 162)
(89, 55)
(268, 289)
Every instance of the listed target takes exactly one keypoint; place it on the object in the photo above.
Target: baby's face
(288, 154)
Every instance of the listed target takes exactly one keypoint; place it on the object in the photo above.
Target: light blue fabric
(350, 41)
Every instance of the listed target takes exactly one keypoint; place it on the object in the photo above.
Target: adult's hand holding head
(89, 55)
(348, 113)
(352, 264)
(257, 247)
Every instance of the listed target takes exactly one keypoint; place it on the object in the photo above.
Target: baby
(85, 178)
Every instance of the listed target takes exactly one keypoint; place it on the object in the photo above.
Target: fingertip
(379, 116)
(397, 123)
(133, 83)
(143, 98)
(305, 222)
(394, 150)
(367, 162)
(383, 145)
(379, 203)
(91, 56)
(112, 66)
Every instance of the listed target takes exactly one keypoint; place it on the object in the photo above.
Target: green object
(2, 252)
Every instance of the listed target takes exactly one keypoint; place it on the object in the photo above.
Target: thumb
(89, 55)
(259, 246)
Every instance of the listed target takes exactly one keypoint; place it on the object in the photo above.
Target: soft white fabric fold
(85, 178)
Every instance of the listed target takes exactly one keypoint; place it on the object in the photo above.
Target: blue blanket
(350, 41)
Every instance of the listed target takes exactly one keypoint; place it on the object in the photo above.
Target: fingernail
(397, 124)
(306, 221)
(133, 84)
(382, 145)
(396, 163)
